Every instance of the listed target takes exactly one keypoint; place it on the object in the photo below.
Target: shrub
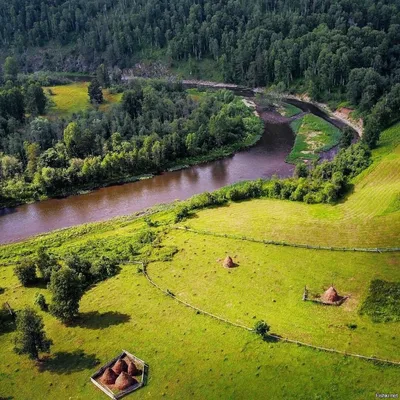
(181, 214)
(261, 328)
(41, 302)
(146, 237)
(26, 272)
(46, 263)
(104, 268)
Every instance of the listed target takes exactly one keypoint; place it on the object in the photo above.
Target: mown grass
(193, 356)
(73, 98)
(313, 135)
(364, 218)
(190, 355)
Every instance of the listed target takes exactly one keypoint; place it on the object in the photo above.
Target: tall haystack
(132, 369)
(331, 296)
(228, 262)
(124, 381)
(120, 366)
(109, 377)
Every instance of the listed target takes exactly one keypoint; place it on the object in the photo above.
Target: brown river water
(265, 159)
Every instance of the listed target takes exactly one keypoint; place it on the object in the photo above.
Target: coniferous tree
(95, 92)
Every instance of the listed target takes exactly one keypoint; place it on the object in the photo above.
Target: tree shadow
(349, 191)
(96, 320)
(272, 339)
(39, 284)
(6, 398)
(63, 362)
(7, 323)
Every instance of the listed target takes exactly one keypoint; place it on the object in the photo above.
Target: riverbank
(340, 114)
(213, 155)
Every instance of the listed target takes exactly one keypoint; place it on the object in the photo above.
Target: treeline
(156, 125)
(325, 182)
(335, 49)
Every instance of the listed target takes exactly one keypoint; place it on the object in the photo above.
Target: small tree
(80, 266)
(10, 69)
(262, 329)
(26, 272)
(347, 137)
(102, 76)
(31, 337)
(301, 170)
(66, 288)
(35, 99)
(95, 93)
(41, 302)
(104, 268)
(46, 263)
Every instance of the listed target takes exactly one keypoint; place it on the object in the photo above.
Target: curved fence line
(283, 244)
(299, 343)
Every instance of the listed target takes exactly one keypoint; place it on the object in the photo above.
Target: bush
(181, 214)
(146, 237)
(104, 268)
(26, 272)
(46, 263)
(261, 328)
(41, 302)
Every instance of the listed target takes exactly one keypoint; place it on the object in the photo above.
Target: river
(265, 159)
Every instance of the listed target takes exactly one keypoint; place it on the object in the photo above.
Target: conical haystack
(331, 296)
(132, 369)
(120, 366)
(124, 381)
(109, 377)
(228, 262)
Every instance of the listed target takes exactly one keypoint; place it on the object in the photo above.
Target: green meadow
(313, 135)
(73, 98)
(192, 355)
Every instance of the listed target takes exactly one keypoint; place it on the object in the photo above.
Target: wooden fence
(276, 337)
(283, 244)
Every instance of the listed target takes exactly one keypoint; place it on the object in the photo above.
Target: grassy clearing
(289, 110)
(191, 355)
(73, 98)
(313, 135)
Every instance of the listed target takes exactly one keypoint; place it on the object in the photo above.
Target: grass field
(192, 355)
(73, 98)
(313, 135)
(289, 110)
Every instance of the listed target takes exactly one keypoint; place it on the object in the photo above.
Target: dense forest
(156, 125)
(342, 49)
(335, 50)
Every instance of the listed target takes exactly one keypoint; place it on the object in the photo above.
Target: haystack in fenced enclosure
(132, 369)
(124, 381)
(120, 366)
(109, 377)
